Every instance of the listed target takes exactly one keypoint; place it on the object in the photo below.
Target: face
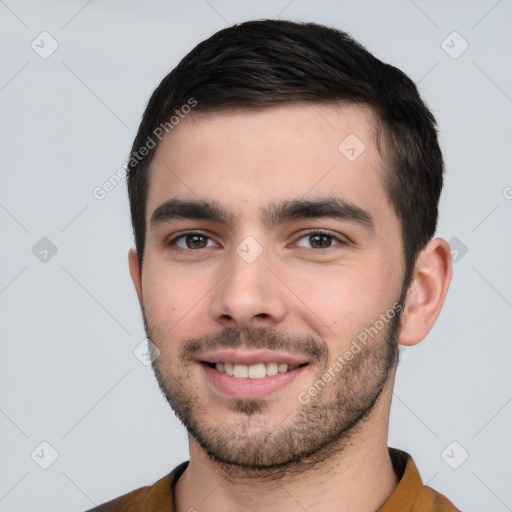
(272, 271)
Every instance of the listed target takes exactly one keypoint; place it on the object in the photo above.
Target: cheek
(166, 296)
(176, 300)
(340, 304)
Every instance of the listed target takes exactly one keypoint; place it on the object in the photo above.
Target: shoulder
(429, 500)
(130, 502)
(411, 494)
(158, 496)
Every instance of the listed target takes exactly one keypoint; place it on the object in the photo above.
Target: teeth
(272, 369)
(241, 370)
(257, 371)
(254, 371)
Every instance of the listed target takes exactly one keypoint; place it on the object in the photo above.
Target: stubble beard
(253, 445)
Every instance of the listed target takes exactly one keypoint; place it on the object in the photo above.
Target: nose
(249, 296)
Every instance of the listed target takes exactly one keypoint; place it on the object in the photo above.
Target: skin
(245, 161)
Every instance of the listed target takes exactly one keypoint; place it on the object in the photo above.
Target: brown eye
(196, 241)
(192, 241)
(320, 241)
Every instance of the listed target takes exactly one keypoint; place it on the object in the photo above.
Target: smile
(253, 371)
(256, 380)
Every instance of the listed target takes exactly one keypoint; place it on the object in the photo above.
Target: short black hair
(265, 63)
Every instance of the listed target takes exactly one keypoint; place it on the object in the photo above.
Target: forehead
(248, 159)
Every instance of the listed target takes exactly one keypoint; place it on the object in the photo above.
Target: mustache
(260, 338)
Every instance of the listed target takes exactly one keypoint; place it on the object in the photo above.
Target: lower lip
(239, 387)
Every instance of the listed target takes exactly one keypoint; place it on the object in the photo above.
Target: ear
(426, 294)
(135, 273)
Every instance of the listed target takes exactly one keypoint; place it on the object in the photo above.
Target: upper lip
(248, 357)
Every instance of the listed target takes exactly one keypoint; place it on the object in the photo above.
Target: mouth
(253, 371)
(239, 373)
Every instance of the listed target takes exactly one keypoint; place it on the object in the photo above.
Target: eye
(318, 240)
(192, 240)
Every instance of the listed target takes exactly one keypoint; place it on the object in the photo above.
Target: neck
(355, 475)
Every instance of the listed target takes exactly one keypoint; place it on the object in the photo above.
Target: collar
(161, 494)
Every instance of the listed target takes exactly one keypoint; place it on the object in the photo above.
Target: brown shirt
(409, 496)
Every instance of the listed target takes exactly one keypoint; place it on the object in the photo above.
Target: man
(284, 186)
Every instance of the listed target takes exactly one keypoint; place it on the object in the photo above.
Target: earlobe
(135, 273)
(427, 292)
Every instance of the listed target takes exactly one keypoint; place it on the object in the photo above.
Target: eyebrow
(175, 209)
(330, 207)
(273, 215)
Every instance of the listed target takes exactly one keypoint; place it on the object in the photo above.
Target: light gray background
(70, 324)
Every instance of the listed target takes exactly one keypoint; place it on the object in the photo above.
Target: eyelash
(334, 238)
